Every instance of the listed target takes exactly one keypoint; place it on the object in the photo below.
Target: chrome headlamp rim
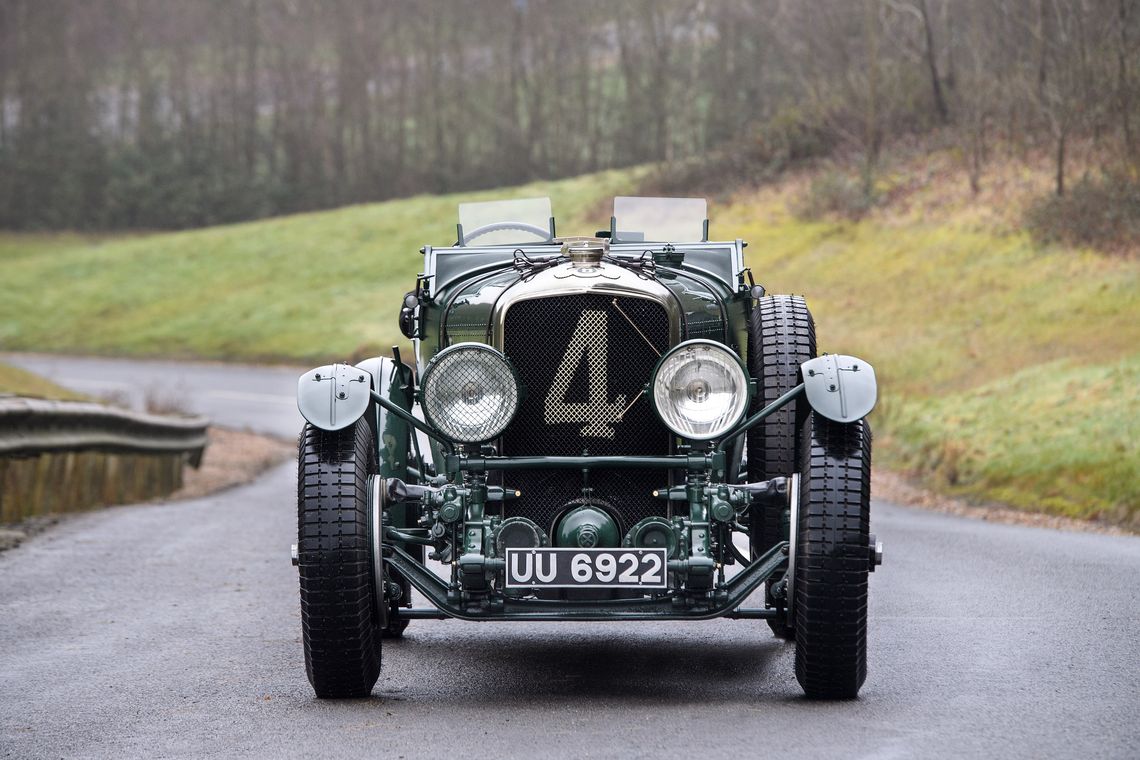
(744, 376)
(432, 368)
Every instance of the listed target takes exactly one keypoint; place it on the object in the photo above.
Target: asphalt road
(262, 399)
(173, 630)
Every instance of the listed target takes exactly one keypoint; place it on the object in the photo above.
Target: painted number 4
(589, 338)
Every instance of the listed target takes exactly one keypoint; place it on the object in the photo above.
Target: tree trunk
(1122, 85)
(249, 129)
(932, 65)
(1062, 134)
(872, 136)
(977, 152)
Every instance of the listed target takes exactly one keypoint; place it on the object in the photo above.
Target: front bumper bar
(726, 599)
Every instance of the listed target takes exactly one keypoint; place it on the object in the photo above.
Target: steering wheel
(496, 226)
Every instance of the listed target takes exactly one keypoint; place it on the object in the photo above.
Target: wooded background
(167, 114)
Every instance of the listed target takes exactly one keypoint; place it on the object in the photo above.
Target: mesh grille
(469, 393)
(584, 360)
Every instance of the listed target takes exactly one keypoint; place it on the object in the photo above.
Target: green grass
(20, 382)
(303, 288)
(1060, 437)
(1009, 370)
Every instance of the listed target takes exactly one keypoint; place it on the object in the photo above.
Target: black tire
(781, 336)
(339, 619)
(833, 559)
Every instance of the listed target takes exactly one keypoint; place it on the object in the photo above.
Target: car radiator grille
(583, 360)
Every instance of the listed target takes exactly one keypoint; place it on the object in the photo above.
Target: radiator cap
(585, 252)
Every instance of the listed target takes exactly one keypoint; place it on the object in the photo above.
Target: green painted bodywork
(713, 299)
(712, 302)
(394, 382)
(714, 306)
(393, 433)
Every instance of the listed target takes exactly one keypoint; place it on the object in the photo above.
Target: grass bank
(19, 382)
(301, 288)
(1010, 369)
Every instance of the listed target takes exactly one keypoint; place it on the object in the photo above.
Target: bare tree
(134, 113)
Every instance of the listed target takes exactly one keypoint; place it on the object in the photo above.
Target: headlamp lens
(700, 390)
(470, 393)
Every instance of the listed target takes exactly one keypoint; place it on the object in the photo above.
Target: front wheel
(781, 337)
(832, 558)
(339, 618)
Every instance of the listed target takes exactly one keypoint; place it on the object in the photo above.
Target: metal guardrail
(33, 426)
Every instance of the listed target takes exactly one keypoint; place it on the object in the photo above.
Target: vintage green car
(619, 427)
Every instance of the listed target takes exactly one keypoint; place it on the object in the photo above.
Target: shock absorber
(722, 504)
(700, 561)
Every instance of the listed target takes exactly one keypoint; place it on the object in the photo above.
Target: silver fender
(841, 388)
(334, 396)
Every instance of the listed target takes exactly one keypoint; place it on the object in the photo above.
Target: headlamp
(700, 390)
(470, 392)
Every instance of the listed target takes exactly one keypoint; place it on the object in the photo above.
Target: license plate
(586, 568)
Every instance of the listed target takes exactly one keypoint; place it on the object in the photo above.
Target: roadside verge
(231, 458)
(64, 456)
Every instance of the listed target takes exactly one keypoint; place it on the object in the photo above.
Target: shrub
(786, 139)
(834, 194)
(1101, 213)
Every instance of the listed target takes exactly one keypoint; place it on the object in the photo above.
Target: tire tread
(339, 627)
(781, 337)
(832, 559)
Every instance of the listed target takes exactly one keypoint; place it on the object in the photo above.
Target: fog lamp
(470, 392)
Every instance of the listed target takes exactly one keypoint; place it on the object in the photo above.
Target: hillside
(1010, 369)
(299, 288)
